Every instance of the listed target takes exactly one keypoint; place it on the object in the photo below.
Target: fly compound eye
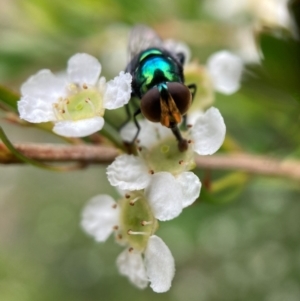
(182, 96)
(150, 105)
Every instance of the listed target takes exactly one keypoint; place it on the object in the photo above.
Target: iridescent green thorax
(155, 68)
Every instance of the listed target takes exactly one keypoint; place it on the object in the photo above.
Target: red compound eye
(182, 96)
(150, 105)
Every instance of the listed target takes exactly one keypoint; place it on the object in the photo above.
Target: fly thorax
(137, 222)
(80, 102)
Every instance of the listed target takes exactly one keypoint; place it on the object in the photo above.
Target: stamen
(145, 223)
(151, 171)
(73, 88)
(140, 148)
(183, 163)
(119, 236)
(190, 141)
(114, 206)
(130, 249)
(115, 227)
(130, 232)
(88, 100)
(189, 126)
(84, 86)
(131, 203)
(127, 196)
(56, 111)
(66, 102)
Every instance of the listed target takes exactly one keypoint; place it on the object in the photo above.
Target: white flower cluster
(146, 257)
(156, 183)
(158, 186)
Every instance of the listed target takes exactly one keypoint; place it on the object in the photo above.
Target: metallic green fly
(158, 81)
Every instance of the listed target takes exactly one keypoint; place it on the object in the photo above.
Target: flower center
(165, 156)
(80, 103)
(137, 220)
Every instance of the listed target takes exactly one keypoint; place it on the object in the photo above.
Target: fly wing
(142, 37)
(179, 50)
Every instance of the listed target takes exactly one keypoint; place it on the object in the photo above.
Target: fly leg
(129, 144)
(193, 89)
(182, 143)
(128, 117)
(137, 112)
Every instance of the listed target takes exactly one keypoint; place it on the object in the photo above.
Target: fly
(158, 81)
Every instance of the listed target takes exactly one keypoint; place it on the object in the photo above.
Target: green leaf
(294, 7)
(9, 98)
(225, 189)
(281, 60)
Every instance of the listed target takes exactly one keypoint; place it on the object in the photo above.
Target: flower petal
(190, 185)
(100, 216)
(150, 132)
(131, 264)
(78, 128)
(160, 265)
(208, 132)
(129, 130)
(128, 172)
(164, 196)
(35, 109)
(83, 69)
(118, 91)
(226, 70)
(44, 86)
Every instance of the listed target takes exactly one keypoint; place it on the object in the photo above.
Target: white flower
(225, 69)
(222, 73)
(146, 257)
(163, 171)
(207, 133)
(269, 13)
(75, 103)
(166, 194)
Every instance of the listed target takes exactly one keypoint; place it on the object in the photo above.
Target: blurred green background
(240, 242)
